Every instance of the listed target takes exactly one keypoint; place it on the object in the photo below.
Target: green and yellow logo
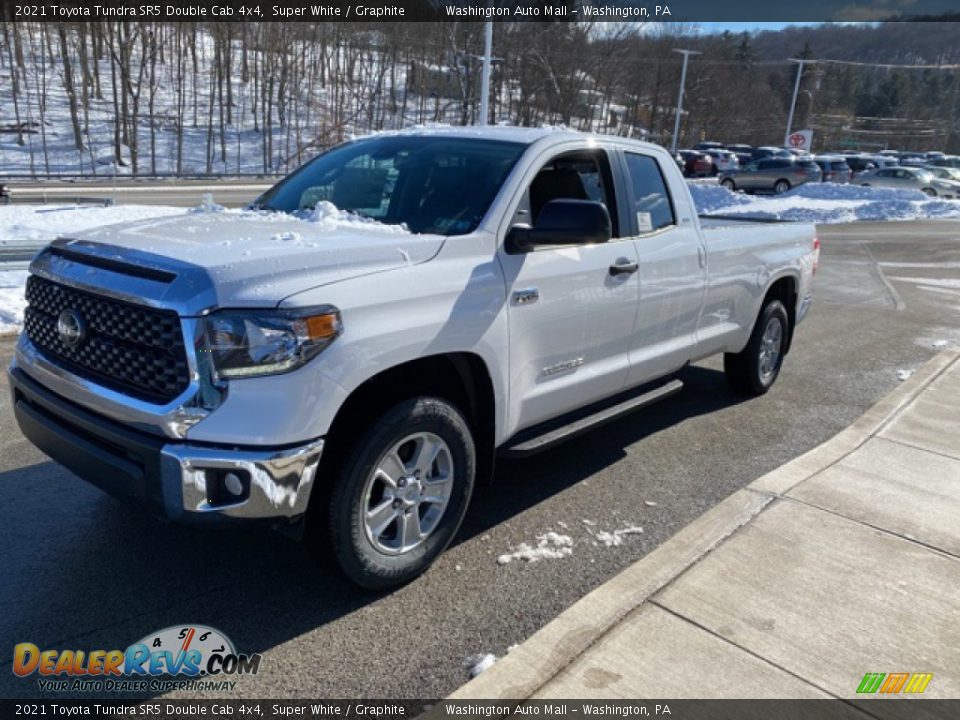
(894, 683)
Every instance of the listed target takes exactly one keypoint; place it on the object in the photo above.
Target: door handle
(623, 267)
(702, 256)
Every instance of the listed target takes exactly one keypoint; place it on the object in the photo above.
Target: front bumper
(182, 481)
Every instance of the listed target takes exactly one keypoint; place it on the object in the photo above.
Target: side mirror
(563, 222)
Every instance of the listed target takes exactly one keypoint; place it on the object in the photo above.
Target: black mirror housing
(564, 222)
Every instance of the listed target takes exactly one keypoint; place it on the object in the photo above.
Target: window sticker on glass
(644, 222)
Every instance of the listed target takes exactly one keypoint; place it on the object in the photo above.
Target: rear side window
(651, 201)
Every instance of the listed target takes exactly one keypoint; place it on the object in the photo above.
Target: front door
(570, 315)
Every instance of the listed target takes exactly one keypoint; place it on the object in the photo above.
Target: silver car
(910, 178)
(772, 174)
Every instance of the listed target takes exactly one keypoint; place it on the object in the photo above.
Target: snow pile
(615, 538)
(207, 205)
(330, 217)
(824, 203)
(904, 374)
(12, 302)
(476, 664)
(550, 546)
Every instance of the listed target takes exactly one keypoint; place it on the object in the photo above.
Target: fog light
(233, 484)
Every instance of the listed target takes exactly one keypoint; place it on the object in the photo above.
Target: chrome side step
(524, 446)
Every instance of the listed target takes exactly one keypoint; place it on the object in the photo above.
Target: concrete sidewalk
(843, 562)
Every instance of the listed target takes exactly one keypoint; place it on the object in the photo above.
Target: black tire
(781, 186)
(745, 369)
(729, 184)
(929, 191)
(355, 551)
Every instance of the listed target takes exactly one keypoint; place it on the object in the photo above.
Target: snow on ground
(824, 203)
(40, 224)
(904, 374)
(11, 300)
(550, 546)
(476, 664)
(615, 538)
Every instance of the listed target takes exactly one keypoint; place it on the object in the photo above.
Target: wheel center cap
(410, 492)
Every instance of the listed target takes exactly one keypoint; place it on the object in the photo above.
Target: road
(230, 192)
(82, 570)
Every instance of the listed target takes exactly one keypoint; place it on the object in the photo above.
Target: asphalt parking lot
(81, 570)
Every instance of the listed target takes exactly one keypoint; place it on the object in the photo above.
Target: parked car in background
(833, 168)
(949, 161)
(944, 173)
(861, 163)
(708, 145)
(913, 160)
(696, 163)
(772, 174)
(768, 151)
(910, 178)
(743, 152)
(723, 160)
(886, 161)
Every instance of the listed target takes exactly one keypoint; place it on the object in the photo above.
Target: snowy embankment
(824, 203)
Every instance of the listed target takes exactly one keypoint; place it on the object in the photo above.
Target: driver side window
(572, 176)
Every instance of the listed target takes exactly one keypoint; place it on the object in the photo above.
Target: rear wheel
(401, 494)
(755, 369)
(781, 186)
(729, 184)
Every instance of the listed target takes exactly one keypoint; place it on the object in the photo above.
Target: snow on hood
(256, 259)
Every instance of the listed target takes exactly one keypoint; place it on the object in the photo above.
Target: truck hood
(256, 259)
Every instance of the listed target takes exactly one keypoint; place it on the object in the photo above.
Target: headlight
(246, 343)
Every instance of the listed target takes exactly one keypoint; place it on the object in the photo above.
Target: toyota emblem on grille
(71, 327)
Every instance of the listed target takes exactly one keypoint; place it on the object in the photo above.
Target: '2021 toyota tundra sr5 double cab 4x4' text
(351, 352)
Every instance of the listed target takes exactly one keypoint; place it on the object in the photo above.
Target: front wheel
(781, 186)
(400, 496)
(754, 370)
(729, 184)
(930, 191)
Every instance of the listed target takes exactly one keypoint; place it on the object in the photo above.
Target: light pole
(796, 91)
(683, 79)
(485, 77)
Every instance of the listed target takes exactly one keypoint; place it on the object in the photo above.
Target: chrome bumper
(180, 480)
(274, 483)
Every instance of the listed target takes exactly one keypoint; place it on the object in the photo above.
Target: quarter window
(651, 201)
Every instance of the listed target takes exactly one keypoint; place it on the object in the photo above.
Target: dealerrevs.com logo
(182, 657)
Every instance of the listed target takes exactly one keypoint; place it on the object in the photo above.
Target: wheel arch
(462, 378)
(785, 289)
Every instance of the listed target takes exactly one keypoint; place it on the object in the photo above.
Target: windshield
(438, 185)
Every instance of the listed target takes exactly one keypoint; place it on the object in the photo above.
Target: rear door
(571, 309)
(672, 267)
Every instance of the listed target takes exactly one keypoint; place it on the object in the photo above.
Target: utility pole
(796, 91)
(485, 77)
(683, 79)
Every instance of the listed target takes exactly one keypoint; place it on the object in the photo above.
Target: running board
(533, 445)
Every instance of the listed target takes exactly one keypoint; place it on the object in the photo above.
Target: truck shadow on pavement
(82, 570)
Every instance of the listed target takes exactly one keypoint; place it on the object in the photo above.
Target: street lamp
(485, 77)
(796, 91)
(683, 79)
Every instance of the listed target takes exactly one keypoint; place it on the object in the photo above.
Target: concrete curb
(537, 660)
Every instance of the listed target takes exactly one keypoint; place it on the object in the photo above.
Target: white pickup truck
(348, 355)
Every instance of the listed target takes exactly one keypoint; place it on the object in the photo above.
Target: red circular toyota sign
(797, 140)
